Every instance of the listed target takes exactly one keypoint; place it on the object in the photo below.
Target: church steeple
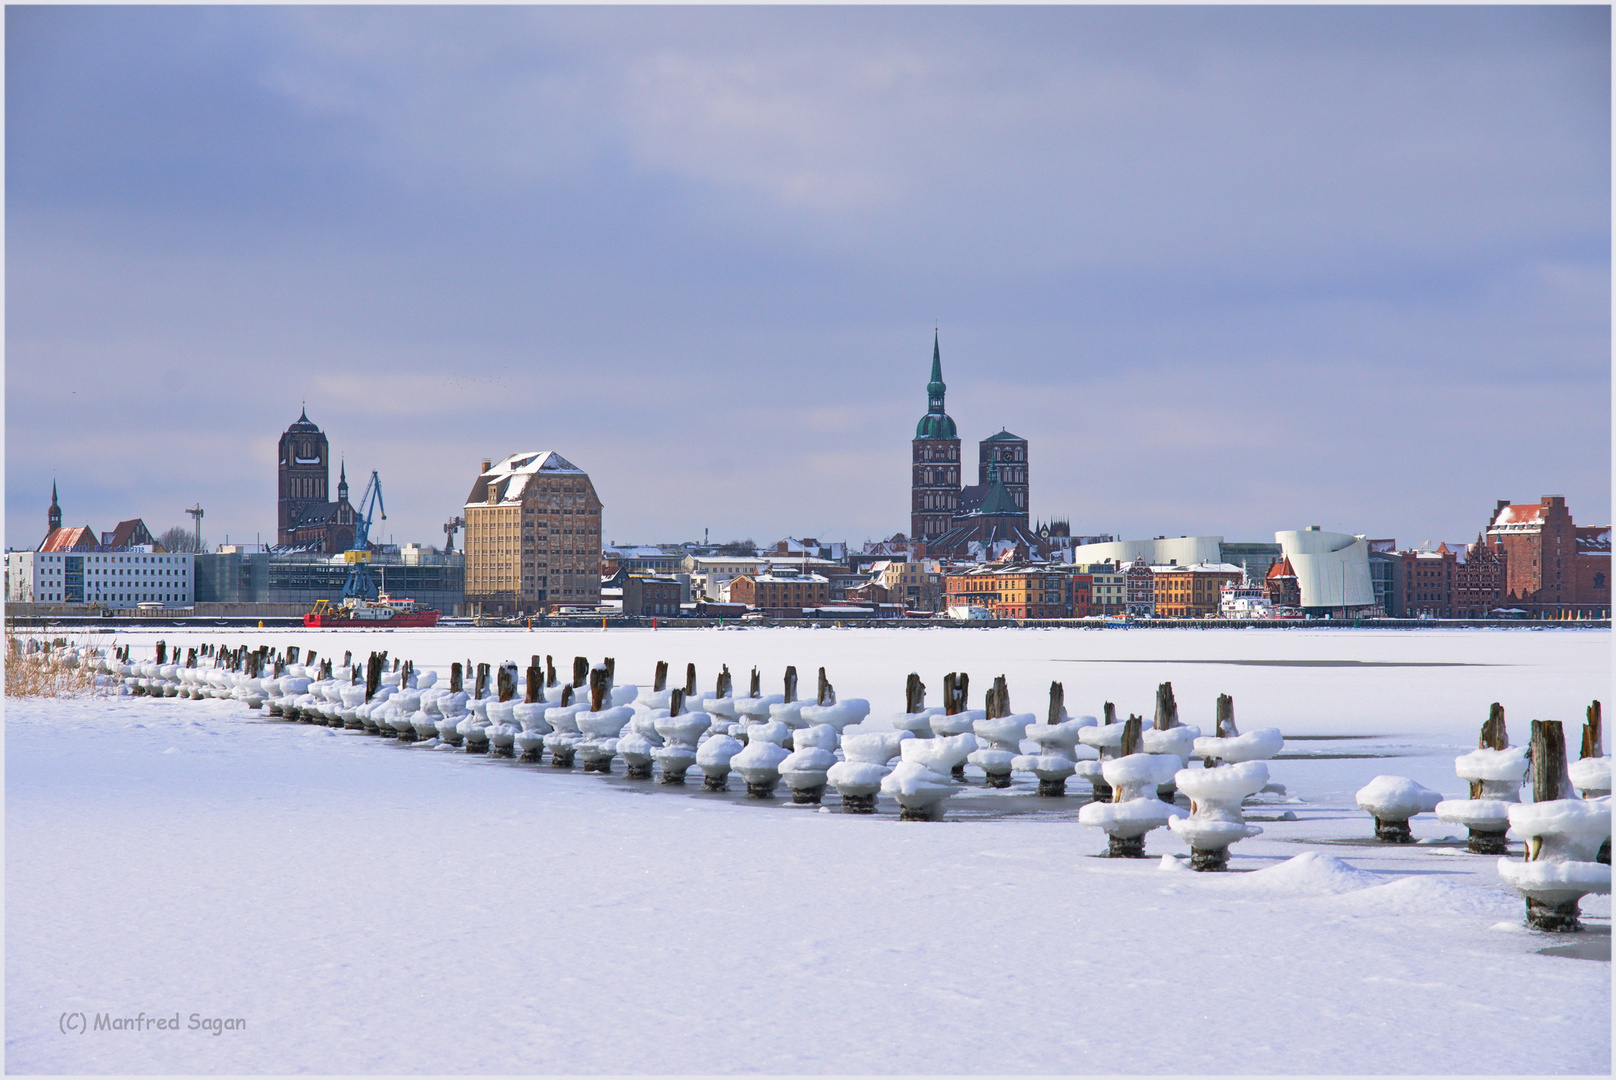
(53, 517)
(342, 483)
(936, 388)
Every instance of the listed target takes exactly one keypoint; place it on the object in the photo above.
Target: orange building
(1192, 592)
(1017, 592)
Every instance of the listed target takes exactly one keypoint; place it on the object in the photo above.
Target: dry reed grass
(37, 667)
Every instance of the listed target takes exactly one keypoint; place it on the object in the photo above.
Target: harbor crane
(360, 584)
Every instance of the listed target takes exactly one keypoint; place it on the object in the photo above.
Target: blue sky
(1230, 270)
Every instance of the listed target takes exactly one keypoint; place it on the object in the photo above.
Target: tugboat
(362, 603)
(384, 611)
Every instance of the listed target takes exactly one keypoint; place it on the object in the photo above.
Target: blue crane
(360, 585)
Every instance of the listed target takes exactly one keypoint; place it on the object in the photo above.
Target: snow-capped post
(1590, 774)
(597, 689)
(373, 675)
(1391, 801)
(1223, 727)
(530, 716)
(914, 693)
(1216, 820)
(660, 683)
(1001, 732)
(1495, 772)
(956, 691)
(507, 682)
(680, 732)
(457, 678)
(1562, 833)
(162, 651)
(1134, 809)
(1166, 720)
(759, 762)
(725, 687)
(714, 757)
(804, 770)
(791, 683)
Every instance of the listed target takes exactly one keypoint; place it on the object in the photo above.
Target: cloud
(701, 252)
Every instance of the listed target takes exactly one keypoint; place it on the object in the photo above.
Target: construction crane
(196, 516)
(360, 585)
(450, 527)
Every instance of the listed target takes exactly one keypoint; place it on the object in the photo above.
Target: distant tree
(738, 548)
(181, 539)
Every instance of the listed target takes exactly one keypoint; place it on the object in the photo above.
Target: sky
(1229, 270)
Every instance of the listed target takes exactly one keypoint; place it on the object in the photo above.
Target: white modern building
(1166, 551)
(113, 579)
(1332, 569)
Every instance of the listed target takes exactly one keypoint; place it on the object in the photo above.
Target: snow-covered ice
(371, 906)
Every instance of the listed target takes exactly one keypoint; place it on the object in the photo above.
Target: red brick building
(1428, 580)
(1554, 570)
(1283, 590)
(1480, 579)
(780, 589)
(644, 594)
(1140, 589)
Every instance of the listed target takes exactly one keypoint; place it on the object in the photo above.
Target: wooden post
(826, 694)
(1166, 708)
(506, 683)
(1057, 704)
(580, 670)
(457, 678)
(660, 683)
(997, 704)
(566, 694)
(1225, 728)
(482, 681)
(1494, 736)
(610, 664)
(549, 670)
(676, 702)
(1132, 847)
(292, 653)
(914, 693)
(757, 684)
(1593, 746)
(373, 676)
(1110, 713)
(726, 684)
(956, 686)
(791, 682)
(1550, 778)
(597, 689)
(1550, 781)
(347, 658)
(535, 682)
(690, 680)
(162, 651)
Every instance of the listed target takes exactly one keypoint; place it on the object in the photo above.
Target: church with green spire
(945, 514)
(934, 488)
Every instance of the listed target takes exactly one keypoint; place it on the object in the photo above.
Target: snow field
(372, 906)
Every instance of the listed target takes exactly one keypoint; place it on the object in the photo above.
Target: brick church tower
(935, 487)
(305, 473)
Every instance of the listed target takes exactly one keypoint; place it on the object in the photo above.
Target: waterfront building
(125, 578)
(1554, 568)
(532, 535)
(1139, 588)
(232, 575)
(779, 588)
(1194, 591)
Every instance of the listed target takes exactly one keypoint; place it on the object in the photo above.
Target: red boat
(383, 612)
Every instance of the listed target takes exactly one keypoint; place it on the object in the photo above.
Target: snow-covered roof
(1213, 568)
(513, 473)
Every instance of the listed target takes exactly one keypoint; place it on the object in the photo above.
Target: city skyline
(1229, 271)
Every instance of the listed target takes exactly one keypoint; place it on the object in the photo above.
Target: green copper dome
(936, 426)
(936, 423)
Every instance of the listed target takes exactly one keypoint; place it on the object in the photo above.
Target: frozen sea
(368, 906)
